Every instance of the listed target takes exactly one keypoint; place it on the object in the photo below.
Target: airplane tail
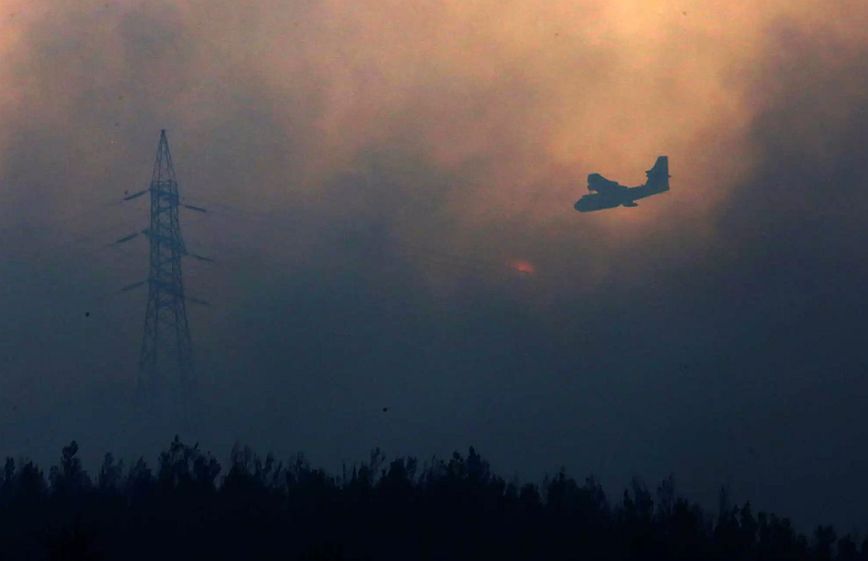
(658, 176)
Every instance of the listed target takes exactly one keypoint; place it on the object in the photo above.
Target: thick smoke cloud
(373, 168)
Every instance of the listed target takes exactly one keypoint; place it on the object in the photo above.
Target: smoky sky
(390, 189)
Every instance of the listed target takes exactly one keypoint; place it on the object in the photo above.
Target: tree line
(188, 506)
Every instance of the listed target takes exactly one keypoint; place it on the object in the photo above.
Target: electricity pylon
(166, 359)
(166, 373)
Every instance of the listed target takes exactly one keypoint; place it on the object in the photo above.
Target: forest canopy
(190, 506)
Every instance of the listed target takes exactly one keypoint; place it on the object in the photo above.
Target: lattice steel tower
(166, 360)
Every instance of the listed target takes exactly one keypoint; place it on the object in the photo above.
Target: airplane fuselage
(606, 193)
(617, 195)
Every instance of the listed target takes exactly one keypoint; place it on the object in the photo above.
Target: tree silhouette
(445, 509)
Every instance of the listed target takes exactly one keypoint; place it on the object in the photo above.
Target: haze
(391, 189)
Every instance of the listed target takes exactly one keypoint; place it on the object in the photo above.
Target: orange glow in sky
(522, 266)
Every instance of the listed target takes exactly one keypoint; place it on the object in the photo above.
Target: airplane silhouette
(611, 194)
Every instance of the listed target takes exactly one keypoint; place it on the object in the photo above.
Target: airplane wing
(607, 187)
(611, 188)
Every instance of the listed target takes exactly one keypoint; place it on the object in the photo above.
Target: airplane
(610, 194)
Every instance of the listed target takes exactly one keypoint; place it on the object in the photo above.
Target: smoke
(372, 170)
(516, 102)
